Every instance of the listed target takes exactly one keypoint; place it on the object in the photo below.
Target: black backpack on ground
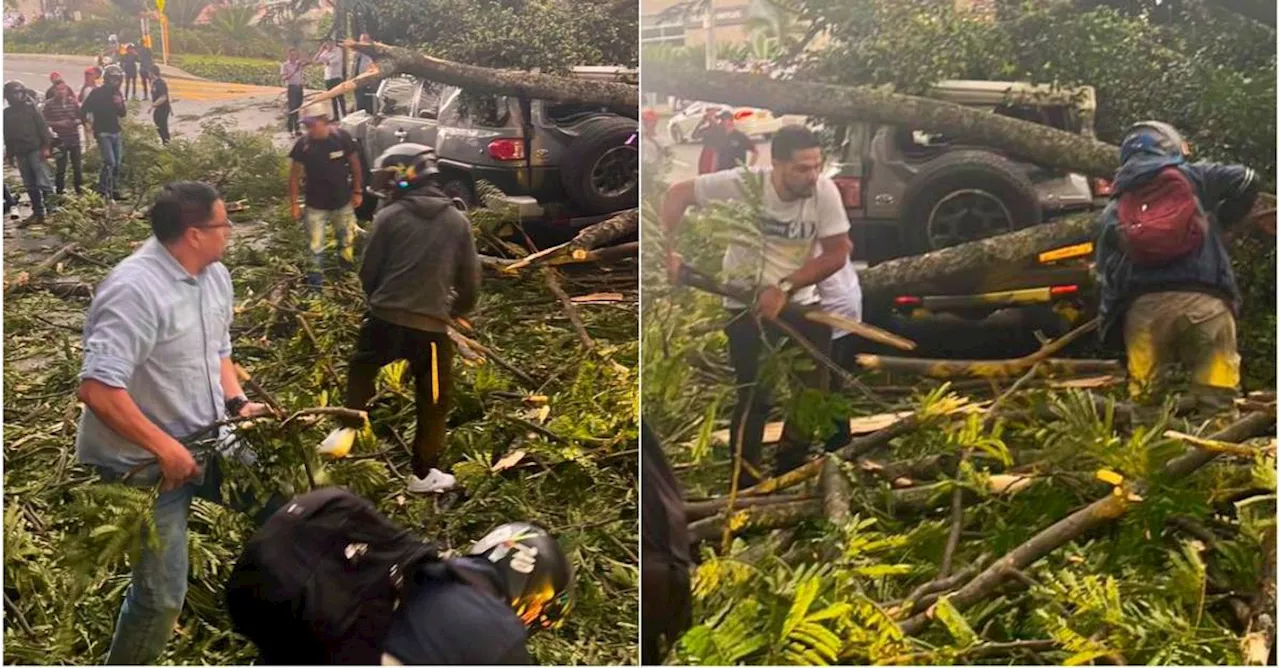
(319, 582)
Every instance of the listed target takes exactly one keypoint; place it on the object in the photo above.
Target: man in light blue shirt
(157, 368)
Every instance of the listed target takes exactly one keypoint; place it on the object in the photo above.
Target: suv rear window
(1060, 117)
(568, 113)
(396, 96)
(459, 108)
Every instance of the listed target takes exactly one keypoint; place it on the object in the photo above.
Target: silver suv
(556, 160)
(909, 191)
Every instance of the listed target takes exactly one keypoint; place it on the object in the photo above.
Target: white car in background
(683, 125)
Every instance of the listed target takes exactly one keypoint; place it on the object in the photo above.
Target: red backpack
(1162, 220)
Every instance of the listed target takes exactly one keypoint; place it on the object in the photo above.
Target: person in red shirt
(62, 113)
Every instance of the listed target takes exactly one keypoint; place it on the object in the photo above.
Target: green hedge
(253, 71)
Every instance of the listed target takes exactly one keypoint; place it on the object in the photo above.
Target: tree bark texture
(920, 272)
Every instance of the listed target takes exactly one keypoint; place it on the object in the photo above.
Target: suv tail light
(850, 191)
(506, 149)
(1102, 188)
(1063, 290)
(907, 301)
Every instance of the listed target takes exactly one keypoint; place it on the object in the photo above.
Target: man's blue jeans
(112, 150)
(35, 178)
(159, 585)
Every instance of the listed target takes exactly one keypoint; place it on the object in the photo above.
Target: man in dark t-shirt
(732, 146)
(161, 105)
(326, 158)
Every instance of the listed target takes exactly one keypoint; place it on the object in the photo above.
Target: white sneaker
(436, 482)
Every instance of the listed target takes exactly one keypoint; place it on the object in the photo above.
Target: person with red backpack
(1166, 278)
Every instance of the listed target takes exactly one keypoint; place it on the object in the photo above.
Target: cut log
(630, 249)
(604, 233)
(1077, 524)
(392, 60)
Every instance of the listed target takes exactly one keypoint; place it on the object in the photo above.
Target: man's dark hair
(182, 205)
(155, 70)
(791, 138)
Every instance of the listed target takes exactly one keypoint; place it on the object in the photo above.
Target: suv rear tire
(601, 169)
(965, 196)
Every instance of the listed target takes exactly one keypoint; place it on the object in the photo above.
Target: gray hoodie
(419, 251)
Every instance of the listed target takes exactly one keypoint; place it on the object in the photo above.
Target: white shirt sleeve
(717, 186)
(832, 218)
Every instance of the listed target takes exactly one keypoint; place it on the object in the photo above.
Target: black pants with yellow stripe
(430, 357)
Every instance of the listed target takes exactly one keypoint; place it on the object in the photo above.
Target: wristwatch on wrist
(786, 286)
(235, 404)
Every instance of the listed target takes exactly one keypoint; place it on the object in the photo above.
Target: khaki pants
(1193, 329)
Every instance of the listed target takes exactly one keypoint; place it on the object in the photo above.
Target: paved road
(195, 100)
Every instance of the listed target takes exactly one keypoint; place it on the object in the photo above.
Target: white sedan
(684, 125)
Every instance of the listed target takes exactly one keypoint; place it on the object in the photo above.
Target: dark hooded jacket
(1226, 193)
(420, 265)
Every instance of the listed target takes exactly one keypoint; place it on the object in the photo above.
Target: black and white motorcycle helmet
(403, 167)
(536, 573)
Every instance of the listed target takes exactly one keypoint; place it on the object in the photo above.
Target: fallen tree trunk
(1050, 147)
(392, 60)
(1077, 524)
(906, 274)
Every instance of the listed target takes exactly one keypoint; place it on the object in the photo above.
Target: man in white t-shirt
(841, 293)
(331, 57)
(800, 210)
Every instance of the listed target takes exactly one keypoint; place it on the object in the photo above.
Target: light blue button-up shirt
(160, 333)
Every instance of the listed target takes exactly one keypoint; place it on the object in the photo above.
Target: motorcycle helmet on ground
(535, 572)
(403, 167)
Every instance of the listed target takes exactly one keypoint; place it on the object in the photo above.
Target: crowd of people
(332, 58)
(60, 123)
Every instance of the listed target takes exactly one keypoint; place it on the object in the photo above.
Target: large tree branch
(1096, 514)
(392, 60)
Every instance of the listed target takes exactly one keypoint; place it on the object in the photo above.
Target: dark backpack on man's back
(1161, 220)
(319, 582)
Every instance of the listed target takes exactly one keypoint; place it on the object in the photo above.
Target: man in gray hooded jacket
(420, 270)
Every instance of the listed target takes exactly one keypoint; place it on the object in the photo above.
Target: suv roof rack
(605, 73)
(963, 91)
